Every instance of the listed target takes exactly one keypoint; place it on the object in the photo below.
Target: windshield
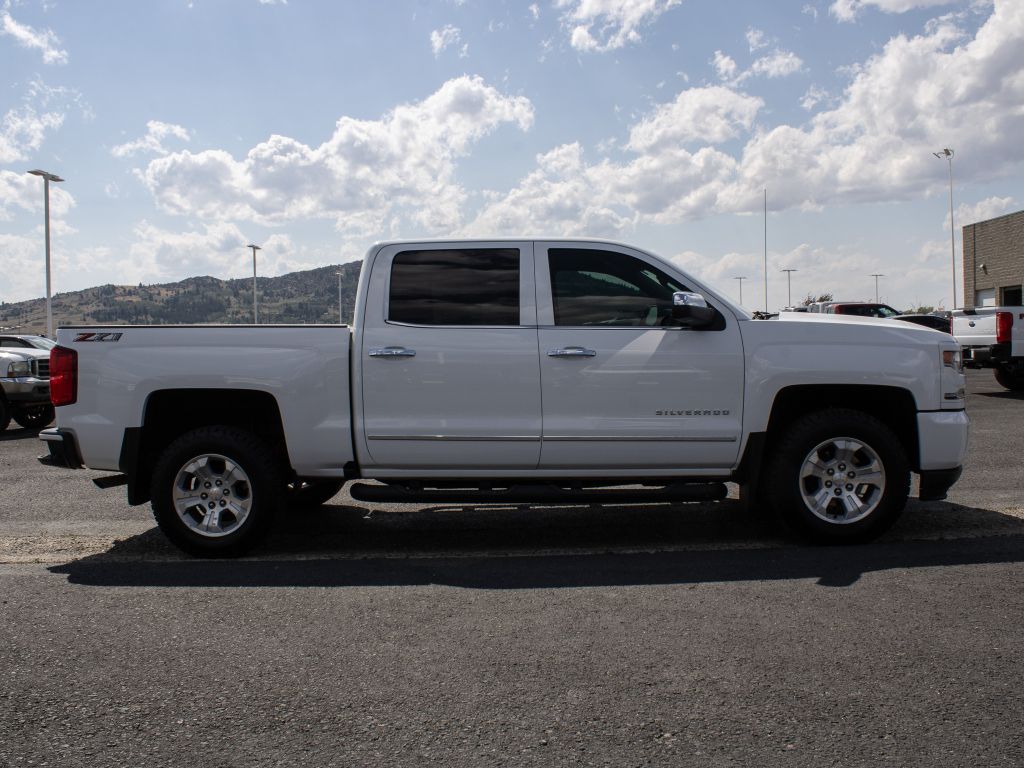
(41, 342)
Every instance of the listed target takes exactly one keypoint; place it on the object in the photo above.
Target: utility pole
(948, 154)
(789, 285)
(341, 315)
(741, 279)
(47, 178)
(876, 276)
(255, 315)
(765, 250)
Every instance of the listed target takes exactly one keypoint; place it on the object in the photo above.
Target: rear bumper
(63, 450)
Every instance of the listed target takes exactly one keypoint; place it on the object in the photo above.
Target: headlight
(23, 368)
(952, 359)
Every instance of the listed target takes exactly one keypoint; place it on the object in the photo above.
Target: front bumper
(935, 483)
(942, 437)
(26, 390)
(63, 448)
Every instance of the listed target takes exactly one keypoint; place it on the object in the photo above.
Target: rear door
(624, 388)
(448, 359)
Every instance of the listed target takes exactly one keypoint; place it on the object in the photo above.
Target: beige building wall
(994, 261)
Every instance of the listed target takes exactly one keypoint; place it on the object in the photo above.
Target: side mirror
(691, 310)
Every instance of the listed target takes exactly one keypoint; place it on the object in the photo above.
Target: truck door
(448, 359)
(624, 388)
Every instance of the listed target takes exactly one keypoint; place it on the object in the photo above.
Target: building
(994, 261)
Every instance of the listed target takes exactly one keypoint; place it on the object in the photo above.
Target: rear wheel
(216, 491)
(34, 416)
(839, 475)
(1007, 379)
(5, 415)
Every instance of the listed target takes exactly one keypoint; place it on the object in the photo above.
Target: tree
(810, 299)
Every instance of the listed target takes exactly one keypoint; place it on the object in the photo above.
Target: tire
(221, 465)
(1008, 380)
(309, 494)
(34, 416)
(5, 415)
(823, 445)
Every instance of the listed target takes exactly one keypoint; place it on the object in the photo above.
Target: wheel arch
(893, 406)
(170, 413)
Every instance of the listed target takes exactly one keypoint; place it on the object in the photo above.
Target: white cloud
(368, 174)
(983, 210)
(158, 254)
(605, 25)
(709, 115)
(23, 130)
(44, 41)
(778, 64)
(724, 65)
(444, 38)
(156, 132)
(847, 10)
(917, 94)
(756, 39)
(813, 97)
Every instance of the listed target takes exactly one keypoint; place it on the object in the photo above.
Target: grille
(42, 368)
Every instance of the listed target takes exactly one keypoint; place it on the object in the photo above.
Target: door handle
(572, 352)
(392, 352)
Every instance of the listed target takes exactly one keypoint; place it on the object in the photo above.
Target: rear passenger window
(478, 286)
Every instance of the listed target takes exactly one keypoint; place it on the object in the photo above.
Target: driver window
(591, 287)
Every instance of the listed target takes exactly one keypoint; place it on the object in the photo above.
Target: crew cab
(514, 371)
(993, 337)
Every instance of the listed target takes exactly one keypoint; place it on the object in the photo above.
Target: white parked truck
(514, 371)
(993, 337)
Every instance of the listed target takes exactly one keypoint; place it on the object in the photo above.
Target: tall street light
(876, 275)
(341, 316)
(948, 154)
(789, 286)
(255, 316)
(741, 279)
(47, 178)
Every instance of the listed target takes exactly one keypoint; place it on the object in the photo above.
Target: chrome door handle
(572, 352)
(392, 352)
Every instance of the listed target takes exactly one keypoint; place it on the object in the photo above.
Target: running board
(539, 494)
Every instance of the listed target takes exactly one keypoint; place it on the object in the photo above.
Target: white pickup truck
(993, 337)
(508, 371)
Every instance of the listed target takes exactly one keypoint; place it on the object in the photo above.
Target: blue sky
(188, 128)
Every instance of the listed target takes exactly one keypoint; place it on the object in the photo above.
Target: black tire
(34, 416)
(309, 494)
(848, 444)
(1008, 380)
(242, 476)
(5, 415)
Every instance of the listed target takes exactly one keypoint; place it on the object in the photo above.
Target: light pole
(341, 317)
(741, 279)
(789, 286)
(948, 154)
(876, 275)
(255, 316)
(47, 178)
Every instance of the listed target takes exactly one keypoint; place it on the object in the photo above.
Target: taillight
(63, 376)
(1004, 324)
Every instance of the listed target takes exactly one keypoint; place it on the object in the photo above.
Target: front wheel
(34, 416)
(1014, 383)
(216, 491)
(839, 475)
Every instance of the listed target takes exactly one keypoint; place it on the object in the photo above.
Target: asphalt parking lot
(630, 635)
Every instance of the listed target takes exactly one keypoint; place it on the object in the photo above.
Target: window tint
(455, 287)
(592, 287)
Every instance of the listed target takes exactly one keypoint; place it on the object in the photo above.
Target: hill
(309, 296)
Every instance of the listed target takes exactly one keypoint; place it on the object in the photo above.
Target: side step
(539, 494)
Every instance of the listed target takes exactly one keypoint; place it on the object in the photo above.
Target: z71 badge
(98, 337)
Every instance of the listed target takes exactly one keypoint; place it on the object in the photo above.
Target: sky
(187, 129)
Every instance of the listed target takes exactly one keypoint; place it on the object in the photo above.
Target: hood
(23, 353)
